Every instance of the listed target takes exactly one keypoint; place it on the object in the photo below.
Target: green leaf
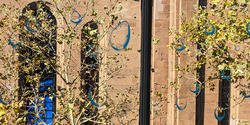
(2, 112)
(156, 41)
(215, 1)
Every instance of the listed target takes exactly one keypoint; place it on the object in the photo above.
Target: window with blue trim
(41, 103)
(89, 63)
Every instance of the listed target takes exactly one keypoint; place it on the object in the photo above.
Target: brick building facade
(166, 14)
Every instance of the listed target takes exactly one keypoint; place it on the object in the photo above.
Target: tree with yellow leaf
(222, 32)
(30, 64)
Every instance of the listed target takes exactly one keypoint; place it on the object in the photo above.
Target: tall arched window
(37, 55)
(90, 63)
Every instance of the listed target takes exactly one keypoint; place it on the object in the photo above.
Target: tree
(29, 61)
(222, 31)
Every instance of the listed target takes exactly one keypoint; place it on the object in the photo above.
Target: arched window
(37, 54)
(90, 62)
(89, 55)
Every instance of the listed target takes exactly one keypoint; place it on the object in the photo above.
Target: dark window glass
(43, 38)
(90, 63)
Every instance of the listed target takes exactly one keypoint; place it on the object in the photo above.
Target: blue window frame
(45, 106)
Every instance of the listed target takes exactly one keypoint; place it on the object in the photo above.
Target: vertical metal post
(200, 99)
(146, 36)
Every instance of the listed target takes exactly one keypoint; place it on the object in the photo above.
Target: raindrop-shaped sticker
(179, 107)
(211, 32)
(3, 102)
(78, 15)
(93, 102)
(116, 37)
(217, 117)
(226, 76)
(197, 88)
(11, 42)
(37, 25)
(182, 46)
